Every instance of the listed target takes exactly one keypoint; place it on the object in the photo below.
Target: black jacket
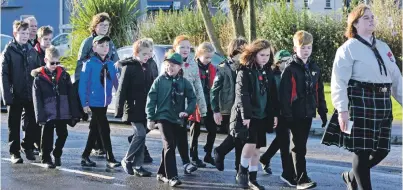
(134, 84)
(301, 90)
(244, 100)
(17, 62)
(54, 96)
(152, 65)
(40, 53)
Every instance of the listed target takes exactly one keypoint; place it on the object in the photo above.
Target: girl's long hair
(248, 57)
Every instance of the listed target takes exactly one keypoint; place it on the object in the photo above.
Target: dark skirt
(370, 109)
(257, 132)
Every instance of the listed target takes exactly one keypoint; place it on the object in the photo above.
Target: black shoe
(29, 154)
(141, 172)
(289, 180)
(16, 159)
(130, 138)
(49, 164)
(351, 185)
(147, 159)
(86, 162)
(189, 168)
(254, 185)
(242, 177)
(267, 169)
(127, 167)
(162, 178)
(209, 159)
(198, 163)
(58, 161)
(219, 160)
(174, 182)
(113, 164)
(305, 182)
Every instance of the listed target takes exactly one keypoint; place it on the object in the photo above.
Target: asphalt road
(325, 164)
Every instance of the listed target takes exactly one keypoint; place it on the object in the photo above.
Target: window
(306, 3)
(61, 40)
(328, 4)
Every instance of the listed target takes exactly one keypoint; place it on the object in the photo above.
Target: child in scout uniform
(282, 139)
(207, 71)
(301, 95)
(222, 98)
(55, 104)
(256, 104)
(165, 108)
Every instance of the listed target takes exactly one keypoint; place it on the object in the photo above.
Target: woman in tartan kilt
(364, 77)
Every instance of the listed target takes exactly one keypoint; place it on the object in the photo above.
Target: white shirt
(354, 60)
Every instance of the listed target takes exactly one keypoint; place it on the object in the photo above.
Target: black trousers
(281, 142)
(230, 143)
(99, 126)
(47, 139)
(211, 127)
(300, 132)
(37, 134)
(169, 135)
(98, 143)
(14, 126)
(363, 161)
(182, 143)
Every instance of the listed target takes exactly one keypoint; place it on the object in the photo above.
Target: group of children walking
(253, 92)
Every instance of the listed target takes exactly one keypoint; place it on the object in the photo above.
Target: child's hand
(151, 125)
(246, 122)
(183, 114)
(86, 109)
(275, 122)
(218, 118)
(117, 65)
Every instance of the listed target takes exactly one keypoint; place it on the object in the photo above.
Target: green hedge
(278, 22)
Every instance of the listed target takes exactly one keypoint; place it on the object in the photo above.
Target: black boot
(242, 177)
(86, 162)
(58, 161)
(29, 154)
(253, 183)
(209, 159)
(16, 159)
(218, 160)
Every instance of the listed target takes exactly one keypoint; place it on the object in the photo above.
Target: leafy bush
(278, 22)
(123, 22)
(163, 27)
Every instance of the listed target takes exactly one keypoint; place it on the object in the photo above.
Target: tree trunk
(252, 23)
(236, 17)
(203, 7)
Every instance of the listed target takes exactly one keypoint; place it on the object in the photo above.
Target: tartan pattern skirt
(370, 109)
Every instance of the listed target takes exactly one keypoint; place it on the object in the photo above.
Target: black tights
(363, 161)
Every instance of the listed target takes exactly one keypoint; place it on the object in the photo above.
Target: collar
(99, 57)
(202, 66)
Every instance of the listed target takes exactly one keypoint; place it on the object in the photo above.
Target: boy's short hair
(52, 52)
(20, 25)
(236, 46)
(142, 43)
(302, 38)
(44, 31)
(29, 19)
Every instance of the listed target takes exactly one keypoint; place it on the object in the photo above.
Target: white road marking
(70, 170)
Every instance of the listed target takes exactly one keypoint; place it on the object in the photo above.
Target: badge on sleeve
(390, 55)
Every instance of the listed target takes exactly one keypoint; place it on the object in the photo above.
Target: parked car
(62, 42)
(4, 41)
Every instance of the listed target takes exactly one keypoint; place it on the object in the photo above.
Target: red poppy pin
(260, 78)
(186, 65)
(390, 55)
(203, 76)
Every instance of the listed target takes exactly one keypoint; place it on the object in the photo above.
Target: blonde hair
(353, 17)
(248, 57)
(52, 52)
(29, 19)
(98, 18)
(142, 43)
(302, 38)
(44, 31)
(205, 47)
(20, 25)
(179, 39)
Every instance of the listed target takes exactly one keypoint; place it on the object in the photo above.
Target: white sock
(245, 162)
(137, 167)
(253, 168)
